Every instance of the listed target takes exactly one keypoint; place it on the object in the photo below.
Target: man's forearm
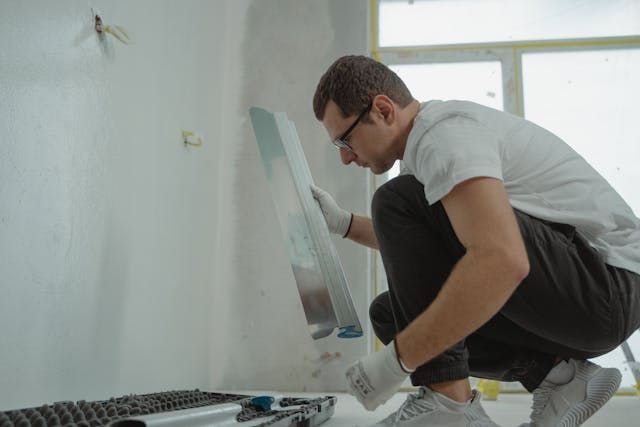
(478, 286)
(361, 231)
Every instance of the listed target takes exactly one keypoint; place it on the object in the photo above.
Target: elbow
(513, 264)
(521, 270)
(519, 267)
(509, 266)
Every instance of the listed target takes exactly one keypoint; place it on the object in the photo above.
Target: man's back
(456, 140)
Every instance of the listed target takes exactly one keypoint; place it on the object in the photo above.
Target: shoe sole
(599, 390)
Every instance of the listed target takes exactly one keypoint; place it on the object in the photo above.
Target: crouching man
(507, 255)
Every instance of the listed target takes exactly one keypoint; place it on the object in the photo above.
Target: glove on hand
(338, 220)
(376, 377)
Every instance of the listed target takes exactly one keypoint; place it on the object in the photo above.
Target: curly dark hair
(353, 81)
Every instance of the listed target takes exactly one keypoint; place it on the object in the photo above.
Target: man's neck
(408, 115)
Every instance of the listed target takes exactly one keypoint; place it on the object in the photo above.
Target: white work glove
(376, 377)
(338, 220)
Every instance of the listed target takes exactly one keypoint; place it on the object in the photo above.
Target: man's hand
(338, 220)
(376, 377)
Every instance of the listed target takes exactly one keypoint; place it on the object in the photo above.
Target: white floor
(508, 410)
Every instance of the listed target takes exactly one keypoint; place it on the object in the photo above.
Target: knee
(396, 193)
(380, 308)
(382, 318)
(382, 198)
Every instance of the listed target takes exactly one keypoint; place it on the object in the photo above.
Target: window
(568, 65)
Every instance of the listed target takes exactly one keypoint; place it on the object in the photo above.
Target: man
(507, 255)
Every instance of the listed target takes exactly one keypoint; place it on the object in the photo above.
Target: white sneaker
(587, 389)
(429, 408)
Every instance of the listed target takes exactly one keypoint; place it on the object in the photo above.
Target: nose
(347, 156)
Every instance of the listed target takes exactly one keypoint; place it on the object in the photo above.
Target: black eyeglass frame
(341, 141)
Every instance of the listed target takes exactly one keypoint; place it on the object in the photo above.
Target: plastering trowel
(316, 267)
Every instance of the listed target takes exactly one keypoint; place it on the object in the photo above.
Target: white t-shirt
(453, 141)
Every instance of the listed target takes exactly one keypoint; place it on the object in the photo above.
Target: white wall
(107, 222)
(130, 263)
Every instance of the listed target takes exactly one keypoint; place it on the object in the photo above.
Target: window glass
(433, 22)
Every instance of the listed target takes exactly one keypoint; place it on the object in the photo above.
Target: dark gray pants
(571, 304)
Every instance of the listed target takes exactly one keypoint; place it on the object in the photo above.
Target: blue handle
(349, 332)
(263, 402)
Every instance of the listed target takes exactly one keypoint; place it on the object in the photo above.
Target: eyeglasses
(341, 141)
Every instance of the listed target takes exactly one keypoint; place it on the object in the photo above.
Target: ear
(384, 107)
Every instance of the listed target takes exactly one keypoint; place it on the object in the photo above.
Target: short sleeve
(455, 150)
(403, 169)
